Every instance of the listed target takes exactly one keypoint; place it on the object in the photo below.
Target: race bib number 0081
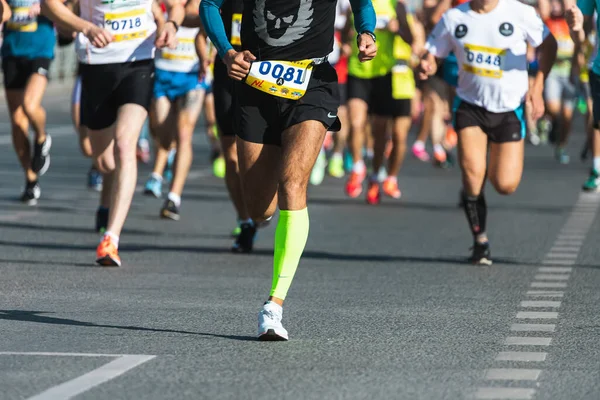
(287, 79)
(484, 61)
(127, 25)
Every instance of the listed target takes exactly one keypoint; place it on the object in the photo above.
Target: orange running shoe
(390, 187)
(451, 137)
(354, 185)
(107, 254)
(373, 194)
(439, 157)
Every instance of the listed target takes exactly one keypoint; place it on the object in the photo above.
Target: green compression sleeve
(290, 240)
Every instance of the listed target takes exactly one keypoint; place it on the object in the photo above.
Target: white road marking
(568, 242)
(554, 261)
(43, 353)
(563, 236)
(512, 374)
(533, 327)
(553, 277)
(556, 269)
(552, 285)
(527, 341)
(540, 303)
(83, 383)
(545, 293)
(561, 255)
(504, 393)
(565, 249)
(529, 356)
(537, 315)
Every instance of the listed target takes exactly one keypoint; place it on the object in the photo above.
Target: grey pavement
(383, 305)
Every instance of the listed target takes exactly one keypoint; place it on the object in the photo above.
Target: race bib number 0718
(484, 61)
(127, 25)
(287, 79)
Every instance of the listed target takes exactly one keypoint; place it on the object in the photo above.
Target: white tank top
(132, 25)
(183, 58)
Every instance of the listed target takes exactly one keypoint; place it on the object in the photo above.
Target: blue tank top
(26, 36)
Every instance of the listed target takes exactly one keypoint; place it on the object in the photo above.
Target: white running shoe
(269, 323)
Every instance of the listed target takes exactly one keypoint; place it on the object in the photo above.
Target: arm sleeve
(213, 25)
(535, 29)
(587, 7)
(439, 42)
(364, 15)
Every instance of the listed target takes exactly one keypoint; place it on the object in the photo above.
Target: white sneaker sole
(271, 336)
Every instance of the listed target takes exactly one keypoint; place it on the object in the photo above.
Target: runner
(284, 58)
(116, 92)
(27, 50)
(383, 88)
(580, 19)
(489, 38)
(178, 99)
(5, 12)
(560, 91)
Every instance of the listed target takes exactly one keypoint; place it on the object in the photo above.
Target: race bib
(21, 21)
(566, 47)
(127, 25)
(236, 30)
(287, 79)
(185, 50)
(403, 82)
(484, 61)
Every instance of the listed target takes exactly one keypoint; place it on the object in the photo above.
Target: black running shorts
(499, 127)
(377, 93)
(223, 87)
(595, 85)
(106, 87)
(262, 118)
(17, 70)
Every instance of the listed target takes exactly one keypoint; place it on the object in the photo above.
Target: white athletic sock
(597, 164)
(419, 144)
(113, 237)
(175, 198)
(438, 148)
(337, 156)
(359, 167)
(156, 176)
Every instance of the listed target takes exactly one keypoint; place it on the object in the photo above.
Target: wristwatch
(368, 33)
(174, 24)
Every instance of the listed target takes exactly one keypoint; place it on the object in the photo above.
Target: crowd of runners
(293, 90)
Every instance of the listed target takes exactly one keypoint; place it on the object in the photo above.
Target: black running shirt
(229, 9)
(288, 30)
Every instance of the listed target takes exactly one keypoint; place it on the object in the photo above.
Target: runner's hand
(574, 18)
(204, 69)
(166, 37)
(535, 97)
(427, 67)
(98, 37)
(238, 63)
(367, 49)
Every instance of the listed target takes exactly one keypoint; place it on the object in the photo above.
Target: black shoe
(31, 194)
(245, 240)
(481, 254)
(170, 211)
(41, 156)
(101, 219)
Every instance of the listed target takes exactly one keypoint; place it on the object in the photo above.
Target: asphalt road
(383, 305)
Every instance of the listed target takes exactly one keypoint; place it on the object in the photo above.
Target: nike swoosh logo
(329, 115)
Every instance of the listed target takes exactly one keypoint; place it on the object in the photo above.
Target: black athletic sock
(476, 212)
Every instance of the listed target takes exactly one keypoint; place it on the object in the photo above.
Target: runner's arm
(364, 16)
(404, 28)
(544, 9)
(213, 25)
(159, 17)
(56, 11)
(192, 16)
(438, 46)
(6, 13)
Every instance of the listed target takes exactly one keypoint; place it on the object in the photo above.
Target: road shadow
(37, 317)
(310, 254)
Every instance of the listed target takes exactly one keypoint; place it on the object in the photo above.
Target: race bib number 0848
(287, 79)
(484, 61)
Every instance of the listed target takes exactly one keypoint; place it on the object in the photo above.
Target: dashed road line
(553, 274)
